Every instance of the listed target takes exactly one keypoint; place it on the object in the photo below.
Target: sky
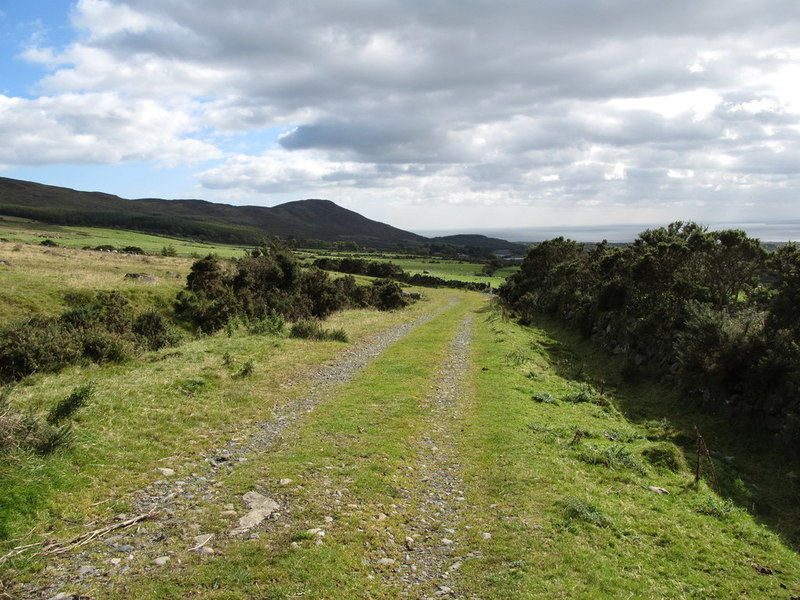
(425, 114)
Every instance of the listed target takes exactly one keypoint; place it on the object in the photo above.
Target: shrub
(41, 344)
(247, 369)
(102, 346)
(272, 324)
(311, 329)
(67, 407)
(388, 295)
(28, 431)
(155, 331)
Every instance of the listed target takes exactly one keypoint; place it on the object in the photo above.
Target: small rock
(443, 591)
(161, 561)
(285, 481)
(86, 570)
(61, 596)
(127, 548)
(115, 561)
(206, 550)
(381, 517)
(386, 561)
(455, 566)
(166, 472)
(447, 542)
(260, 507)
(657, 490)
(486, 536)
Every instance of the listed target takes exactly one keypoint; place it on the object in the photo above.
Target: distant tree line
(711, 312)
(388, 270)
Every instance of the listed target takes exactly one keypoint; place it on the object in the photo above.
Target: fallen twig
(76, 542)
(82, 540)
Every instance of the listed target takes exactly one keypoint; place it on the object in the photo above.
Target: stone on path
(260, 507)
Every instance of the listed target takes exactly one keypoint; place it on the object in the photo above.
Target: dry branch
(55, 548)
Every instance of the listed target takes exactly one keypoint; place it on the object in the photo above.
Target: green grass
(442, 268)
(573, 516)
(557, 456)
(41, 278)
(31, 232)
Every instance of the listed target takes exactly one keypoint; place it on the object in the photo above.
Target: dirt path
(434, 548)
(175, 503)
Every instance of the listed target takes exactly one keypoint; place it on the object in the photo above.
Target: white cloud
(542, 105)
(95, 128)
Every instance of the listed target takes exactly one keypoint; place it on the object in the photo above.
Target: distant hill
(199, 219)
(480, 241)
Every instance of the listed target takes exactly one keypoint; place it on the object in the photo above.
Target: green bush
(28, 431)
(273, 324)
(41, 344)
(154, 331)
(69, 405)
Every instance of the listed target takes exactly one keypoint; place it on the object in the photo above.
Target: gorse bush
(269, 283)
(155, 331)
(712, 313)
(100, 328)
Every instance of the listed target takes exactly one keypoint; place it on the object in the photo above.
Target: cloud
(602, 103)
(95, 129)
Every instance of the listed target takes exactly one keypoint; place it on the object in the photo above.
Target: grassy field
(39, 278)
(560, 463)
(17, 231)
(437, 267)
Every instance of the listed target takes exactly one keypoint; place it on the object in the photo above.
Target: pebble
(486, 536)
(166, 472)
(285, 481)
(447, 542)
(86, 570)
(161, 561)
(386, 561)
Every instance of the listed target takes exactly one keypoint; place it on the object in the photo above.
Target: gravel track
(176, 501)
(433, 555)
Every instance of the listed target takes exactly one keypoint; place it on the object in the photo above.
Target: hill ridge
(304, 219)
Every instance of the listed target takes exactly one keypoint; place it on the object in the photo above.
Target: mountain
(199, 219)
